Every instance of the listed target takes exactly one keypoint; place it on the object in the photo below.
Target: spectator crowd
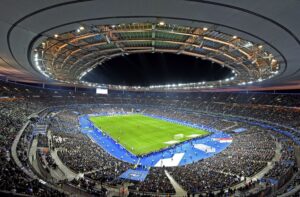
(249, 153)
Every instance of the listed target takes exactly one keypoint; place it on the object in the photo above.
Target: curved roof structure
(61, 41)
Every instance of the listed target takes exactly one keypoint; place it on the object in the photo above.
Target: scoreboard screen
(101, 91)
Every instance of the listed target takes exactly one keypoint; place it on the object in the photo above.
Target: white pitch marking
(193, 135)
(205, 148)
(171, 142)
(169, 162)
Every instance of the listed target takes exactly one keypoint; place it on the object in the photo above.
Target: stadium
(146, 98)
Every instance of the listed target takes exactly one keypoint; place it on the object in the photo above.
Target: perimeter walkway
(292, 192)
(32, 155)
(269, 166)
(179, 191)
(66, 172)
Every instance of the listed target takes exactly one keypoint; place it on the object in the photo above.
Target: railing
(28, 172)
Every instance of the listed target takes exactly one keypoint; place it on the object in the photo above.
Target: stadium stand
(250, 152)
(130, 98)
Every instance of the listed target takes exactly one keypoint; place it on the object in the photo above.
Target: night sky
(156, 69)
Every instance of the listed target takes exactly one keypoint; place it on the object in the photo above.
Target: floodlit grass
(142, 134)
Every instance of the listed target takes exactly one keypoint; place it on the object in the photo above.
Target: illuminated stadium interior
(71, 55)
(149, 98)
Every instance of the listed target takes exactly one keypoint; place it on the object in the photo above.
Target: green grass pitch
(143, 134)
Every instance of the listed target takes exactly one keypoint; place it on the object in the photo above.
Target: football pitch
(141, 134)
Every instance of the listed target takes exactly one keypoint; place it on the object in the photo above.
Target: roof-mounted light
(161, 23)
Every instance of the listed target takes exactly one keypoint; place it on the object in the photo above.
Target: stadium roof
(60, 41)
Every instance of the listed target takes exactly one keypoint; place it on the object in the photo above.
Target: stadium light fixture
(260, 46)
(234, 37)
(161, 23)
(248, 44)
(55, 35)
(273, 60)
(205, 28)
(81, 28)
